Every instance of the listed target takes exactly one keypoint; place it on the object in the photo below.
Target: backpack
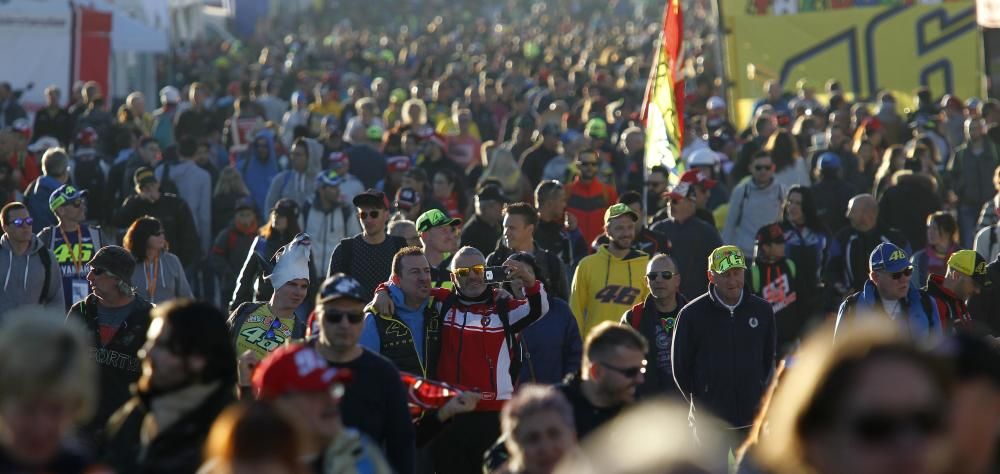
(167, 184)
(45, 255)
(755, 275)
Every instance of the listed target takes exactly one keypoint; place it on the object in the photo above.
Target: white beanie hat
(293, 262)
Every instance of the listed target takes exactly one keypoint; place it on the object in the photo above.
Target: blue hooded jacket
(922, 315)
(36, 199)
(412, 317)
(552, 346)
(258, 174)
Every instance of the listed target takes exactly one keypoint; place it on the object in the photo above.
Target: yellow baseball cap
(725, 258)
(970, 264)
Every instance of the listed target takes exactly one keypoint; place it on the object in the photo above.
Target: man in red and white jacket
(478, 350)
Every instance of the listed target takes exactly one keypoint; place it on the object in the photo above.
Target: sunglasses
(666, 275)
(881, 428)
(27, 221)
(588, 164)
(159, 233)
(98, 271)
(763, 167)
(276, 324)
(464, 271)
(900, 274)
(77, 204)
(335, 317)
(629, 372)
(368, 214)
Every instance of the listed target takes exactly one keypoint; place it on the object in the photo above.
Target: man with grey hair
(55, 173)
(478, 348)
(655, 318)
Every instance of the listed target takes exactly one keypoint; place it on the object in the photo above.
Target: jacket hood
(398, 299)
(33, 247)
(631, 255)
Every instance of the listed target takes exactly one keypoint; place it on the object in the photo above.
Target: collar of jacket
(718, 303)
(869, 296)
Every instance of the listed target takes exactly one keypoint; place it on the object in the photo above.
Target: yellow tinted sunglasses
(464, 271)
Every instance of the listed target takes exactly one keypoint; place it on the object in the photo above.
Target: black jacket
(118, 361)
(849, 254)
(659, 334)
(176, 449)
(550, 269)
(477, 233)
(722, 358)
(586, 416)
(178, 223)
(58, 125)
(985, 307)
(251, 285)
(691, 242)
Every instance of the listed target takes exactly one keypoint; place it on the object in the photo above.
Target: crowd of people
(445, 252)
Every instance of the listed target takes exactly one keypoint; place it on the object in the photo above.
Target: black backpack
(167, 184)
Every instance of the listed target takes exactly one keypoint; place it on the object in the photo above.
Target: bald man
(654, 318)
(849, 250)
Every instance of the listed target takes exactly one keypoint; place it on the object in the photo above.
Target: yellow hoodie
(605, 286)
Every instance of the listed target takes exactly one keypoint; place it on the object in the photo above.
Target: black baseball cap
(492, 193)
(371, 198)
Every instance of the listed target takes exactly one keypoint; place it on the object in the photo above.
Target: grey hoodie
(169, 277)
(24, 277)
(194, 186)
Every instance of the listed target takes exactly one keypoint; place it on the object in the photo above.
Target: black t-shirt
(375, 403)
(369, 264)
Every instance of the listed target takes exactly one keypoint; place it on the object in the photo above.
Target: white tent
(36, 36)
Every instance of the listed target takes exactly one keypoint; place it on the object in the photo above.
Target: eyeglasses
(588, 164)
(666, 275)
(763, 167)
(368, 214)
(880, 428)
(629, 372)
(335, 317)
(77, 204)
(464, 271)
(900, 274)
(27, 221)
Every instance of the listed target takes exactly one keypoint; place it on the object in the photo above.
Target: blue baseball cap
(65, 194)
(829, 161)
(889, 258)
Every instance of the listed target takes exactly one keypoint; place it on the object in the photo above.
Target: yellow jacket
(605, 286)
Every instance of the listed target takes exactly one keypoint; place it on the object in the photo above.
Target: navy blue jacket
(552, 346)
(722, 358)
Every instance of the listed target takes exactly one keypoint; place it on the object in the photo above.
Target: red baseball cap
(295, 368)
(397, 163)
(688, 179)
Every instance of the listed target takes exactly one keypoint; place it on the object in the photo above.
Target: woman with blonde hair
(871, 402)
(49, 387)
